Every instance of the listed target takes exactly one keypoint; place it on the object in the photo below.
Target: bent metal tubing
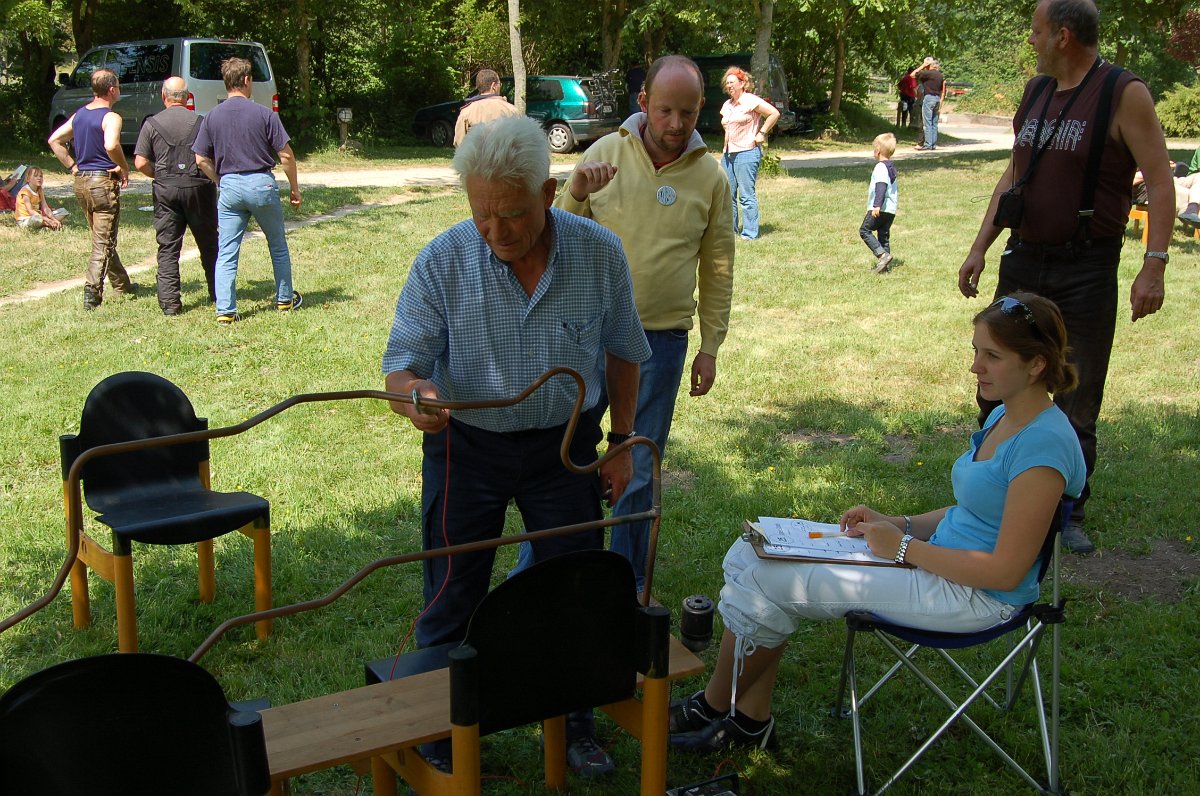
(75, 502)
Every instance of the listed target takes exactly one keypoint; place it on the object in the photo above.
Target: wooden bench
(353, 726)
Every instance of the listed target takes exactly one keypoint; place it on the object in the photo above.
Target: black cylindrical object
(696, 622)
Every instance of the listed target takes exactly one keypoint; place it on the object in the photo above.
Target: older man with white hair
(488, 306)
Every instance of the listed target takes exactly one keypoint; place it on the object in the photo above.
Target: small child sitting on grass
(882, 201)
(32, 211)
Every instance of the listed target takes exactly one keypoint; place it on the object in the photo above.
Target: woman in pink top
(747, 119)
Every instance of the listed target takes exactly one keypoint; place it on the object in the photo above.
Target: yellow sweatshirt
(676, 224)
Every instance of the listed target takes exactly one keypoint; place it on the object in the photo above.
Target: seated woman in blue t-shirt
(975, 563)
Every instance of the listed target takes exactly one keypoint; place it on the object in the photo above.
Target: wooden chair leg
(207, 570)
(464, 743)
(656, 697)
(126, 603)
(81, 604)
(554, 733)
(262, 575)
(383, 778)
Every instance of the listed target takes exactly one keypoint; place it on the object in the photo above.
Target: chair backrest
(128, 723)
(556, 637)
(131, 406)
(1061, 515)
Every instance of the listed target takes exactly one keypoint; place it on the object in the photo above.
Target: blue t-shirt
(240, 136)
(981, 487)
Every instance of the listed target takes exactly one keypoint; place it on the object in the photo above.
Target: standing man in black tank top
(100, 172)
(1055, 248)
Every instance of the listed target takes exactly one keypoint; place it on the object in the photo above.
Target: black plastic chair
(566, 634)
(128, 724)
(1018, 664)
(157, 495)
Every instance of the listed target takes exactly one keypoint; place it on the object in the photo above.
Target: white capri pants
(763, 600)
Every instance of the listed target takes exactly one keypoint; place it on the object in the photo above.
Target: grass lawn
(835, 386)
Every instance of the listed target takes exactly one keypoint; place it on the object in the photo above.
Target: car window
(141, 63)
(82, 76)
(207, 57)
(543, 90)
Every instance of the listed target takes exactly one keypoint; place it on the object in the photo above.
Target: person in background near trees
(974, 563)
(100, 172)
(1072, 258)
(747, 120)
(32, 211)
(634, 79)
(932, 85)
(654, 184)
(184, 198)
(489, 306)
(10, 187)
(486, 105)
(236, 148)
(882, 202)
(908, 97)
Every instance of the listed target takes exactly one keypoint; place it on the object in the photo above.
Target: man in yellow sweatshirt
(654, 184)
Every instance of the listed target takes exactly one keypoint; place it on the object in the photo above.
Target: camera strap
(1091, 173)
(1042, 142)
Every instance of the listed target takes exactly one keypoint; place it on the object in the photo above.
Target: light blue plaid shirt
(464, 322)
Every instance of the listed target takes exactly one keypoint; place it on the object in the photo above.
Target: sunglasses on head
(1015, 308)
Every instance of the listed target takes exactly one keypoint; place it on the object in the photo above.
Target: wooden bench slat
(357, 724)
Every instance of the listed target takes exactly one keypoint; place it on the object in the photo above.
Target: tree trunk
(839, 73)
(83, 22)
(303, 58)
(760, 61)
(518, 55)
(612, 15)
(1122, 54)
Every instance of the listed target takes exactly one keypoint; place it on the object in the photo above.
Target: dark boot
(91, 299)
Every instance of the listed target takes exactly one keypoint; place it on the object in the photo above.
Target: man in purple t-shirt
(236, 147)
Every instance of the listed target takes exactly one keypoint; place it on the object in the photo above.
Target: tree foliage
(385, 58)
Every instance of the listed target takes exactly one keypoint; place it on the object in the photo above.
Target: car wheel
(441, 134)
(560, 137)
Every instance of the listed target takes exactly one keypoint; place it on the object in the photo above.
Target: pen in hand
(824, 534)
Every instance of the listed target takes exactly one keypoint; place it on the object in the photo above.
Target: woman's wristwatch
(903, 551)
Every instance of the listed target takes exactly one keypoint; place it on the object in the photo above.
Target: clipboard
(751, 534)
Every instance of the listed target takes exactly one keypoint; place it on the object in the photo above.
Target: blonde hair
(886, 144)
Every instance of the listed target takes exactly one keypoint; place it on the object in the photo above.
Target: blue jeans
(242, 196)
(742, 170)
(657, 387)
(487, 470)
(931, 107)
(882, 226)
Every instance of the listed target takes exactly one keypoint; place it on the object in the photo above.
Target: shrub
(1179, 111)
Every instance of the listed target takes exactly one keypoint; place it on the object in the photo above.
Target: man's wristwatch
(613, 438)
(1166, 258)
(903, 551)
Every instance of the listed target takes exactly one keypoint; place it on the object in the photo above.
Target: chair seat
(182, 516)
(938, 639)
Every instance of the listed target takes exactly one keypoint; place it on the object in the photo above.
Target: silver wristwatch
(1165, 257)
(903, 551)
